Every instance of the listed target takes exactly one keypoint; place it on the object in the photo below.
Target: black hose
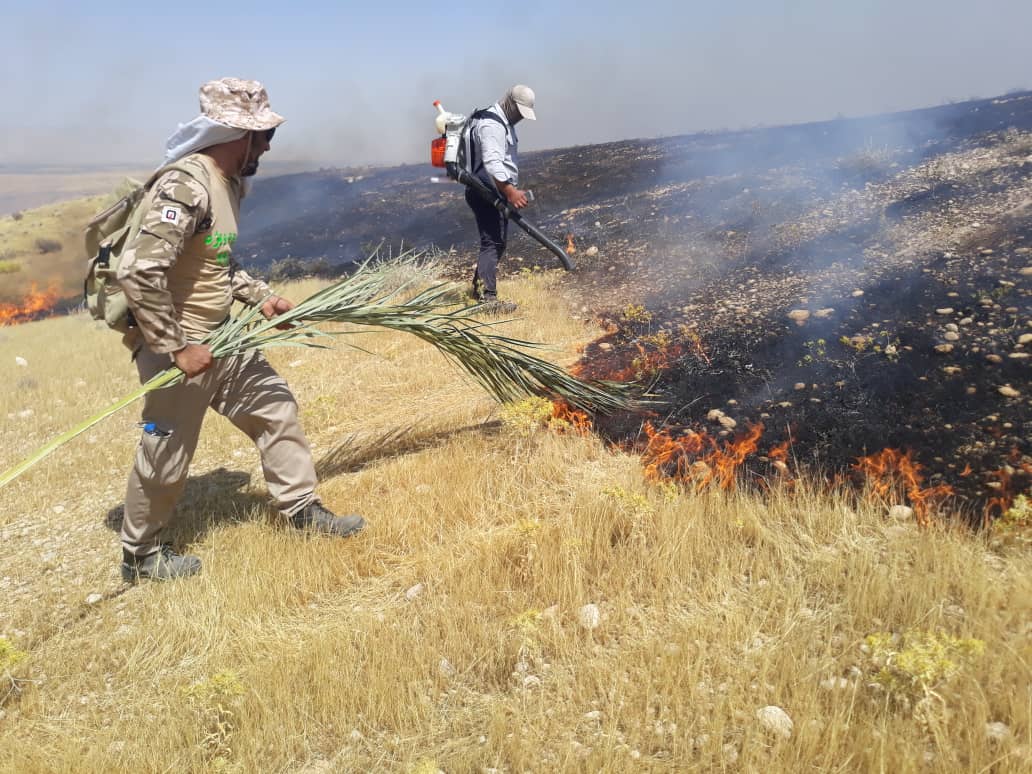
(492, 197)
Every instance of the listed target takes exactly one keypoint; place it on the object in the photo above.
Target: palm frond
(373, 297)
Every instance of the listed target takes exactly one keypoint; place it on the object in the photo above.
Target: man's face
(260, 142)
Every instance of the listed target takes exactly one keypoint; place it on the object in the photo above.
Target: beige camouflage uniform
(180, 279)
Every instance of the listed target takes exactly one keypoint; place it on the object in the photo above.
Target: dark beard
(250, 169)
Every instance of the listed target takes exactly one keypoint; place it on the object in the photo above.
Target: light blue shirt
(497, 143)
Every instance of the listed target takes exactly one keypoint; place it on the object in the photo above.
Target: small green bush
(9, 267)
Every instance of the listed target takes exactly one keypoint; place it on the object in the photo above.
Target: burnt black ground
(885, 221)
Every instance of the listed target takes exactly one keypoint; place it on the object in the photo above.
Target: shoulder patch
(171, 214)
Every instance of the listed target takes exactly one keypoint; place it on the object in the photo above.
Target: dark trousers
(493, 228)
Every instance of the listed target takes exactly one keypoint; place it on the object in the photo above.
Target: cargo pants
(249, 393)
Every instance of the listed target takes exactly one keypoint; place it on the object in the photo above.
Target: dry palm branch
(500, 363)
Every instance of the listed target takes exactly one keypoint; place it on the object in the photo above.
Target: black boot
(163, 564)
(315, 518)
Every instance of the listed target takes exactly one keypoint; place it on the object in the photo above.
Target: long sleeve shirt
(497, 143)
(178, 273)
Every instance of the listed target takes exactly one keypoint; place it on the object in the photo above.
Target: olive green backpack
(107, 235)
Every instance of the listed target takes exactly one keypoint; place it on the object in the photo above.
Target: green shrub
(9, 267)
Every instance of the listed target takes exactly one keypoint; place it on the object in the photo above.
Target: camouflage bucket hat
(239, 104)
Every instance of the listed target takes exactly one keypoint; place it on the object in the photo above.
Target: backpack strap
(480, 115)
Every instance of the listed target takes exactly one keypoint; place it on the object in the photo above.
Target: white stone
(997, 732)
(589, 616)
(94, 598)
(591, 252)
(593, 715)
(901, 513)
(775, 720)
(414, 591)
(1009, 392)
(944, 310)
(19, 360)
(1025, 338)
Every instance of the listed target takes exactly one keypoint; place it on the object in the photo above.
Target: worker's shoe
(163, 564)
(315, 518)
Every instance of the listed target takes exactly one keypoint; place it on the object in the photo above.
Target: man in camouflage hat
(180, 279)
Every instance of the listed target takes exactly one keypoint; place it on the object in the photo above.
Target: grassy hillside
(524, 600)
(43, 247)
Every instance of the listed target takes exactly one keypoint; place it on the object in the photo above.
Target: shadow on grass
(223, 496)
(358, 451)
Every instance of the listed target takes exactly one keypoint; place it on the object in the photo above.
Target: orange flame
(579, 422)
(891, 469)
(1003, 480)
(32, 306)
(697, 457)
(571, 248)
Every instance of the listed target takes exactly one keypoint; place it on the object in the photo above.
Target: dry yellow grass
(449, 635)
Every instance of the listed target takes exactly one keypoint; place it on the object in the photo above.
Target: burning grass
(522, 601)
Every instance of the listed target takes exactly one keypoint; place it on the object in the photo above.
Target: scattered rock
(19, 360)
(901, 513)
(775, 720)
(997, 732)
(823, 314)
(94, 598)
(414, 592)
(799, 386)
(1026, 272)
(591, 252)
(944, 349)
(952, 370)
(994, 358)
(945, 310)
(1025, 338)
(605, 346)
(857, 293)
(589, 616)
(1012, 356)
(799, 316)
(951, 336)
(593, 715)
(730, 751)
(966, 321)
(1009, 392)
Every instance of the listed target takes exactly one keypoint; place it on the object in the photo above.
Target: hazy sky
(105, 82)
